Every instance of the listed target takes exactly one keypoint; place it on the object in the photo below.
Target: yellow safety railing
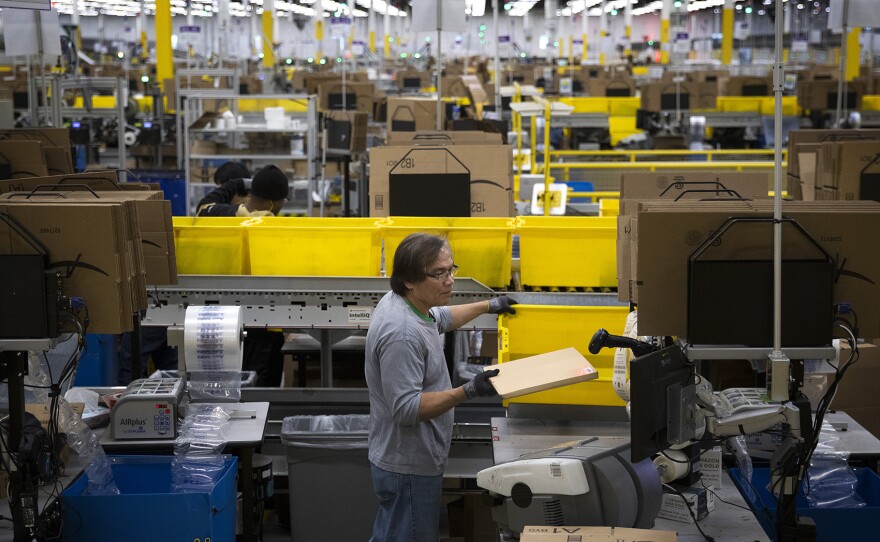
(635, 155)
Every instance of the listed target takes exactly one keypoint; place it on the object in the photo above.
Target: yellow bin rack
(537, 329)
(211, 245)
(317, 247)
(482, 247)
(568, 251)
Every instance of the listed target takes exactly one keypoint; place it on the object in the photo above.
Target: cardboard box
(797, 138)
(411, 115)
(58, 160)
(154, 228)
(404, 77)
(740, 85)
(711, 467)
(661, 96)
(822, 95)
(357, 143)
(47, 137)
(95, 180)
(362, 92)
(850, 168)
(691, 185)
(434, 137)
(614, 87)
(24, 159)
(542, 372)
(489, 166)
(669, 233)
(700, 500)
(594, 534)
(86, 243)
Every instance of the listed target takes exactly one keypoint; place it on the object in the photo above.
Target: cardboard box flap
(594, 534)
(542, 372)
(22, 159)
(95, 180)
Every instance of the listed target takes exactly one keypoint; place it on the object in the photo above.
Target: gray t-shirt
(404, 357)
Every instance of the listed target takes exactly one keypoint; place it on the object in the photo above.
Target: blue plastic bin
(173, 184)
(832, 524)
(147, 510)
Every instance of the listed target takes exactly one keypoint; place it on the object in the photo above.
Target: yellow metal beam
(664, 41)
(268, 35)
(853, 54)
(727, 36)
(164, 54)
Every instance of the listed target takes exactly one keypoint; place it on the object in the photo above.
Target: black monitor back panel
(432, 194)
(731, 303)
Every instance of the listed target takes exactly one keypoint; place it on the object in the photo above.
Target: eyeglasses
(444, 274)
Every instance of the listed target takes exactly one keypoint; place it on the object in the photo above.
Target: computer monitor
(662, 387)
(412, 83)
(755, 90)
(672, 101)
(335, 101)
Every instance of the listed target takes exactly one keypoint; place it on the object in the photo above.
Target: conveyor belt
(321, 302)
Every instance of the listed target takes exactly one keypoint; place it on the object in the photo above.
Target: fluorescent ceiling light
(475, 8)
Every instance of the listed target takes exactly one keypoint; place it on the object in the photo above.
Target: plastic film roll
(212, 338)
(672, 466)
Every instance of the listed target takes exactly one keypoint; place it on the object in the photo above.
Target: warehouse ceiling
(476, 8)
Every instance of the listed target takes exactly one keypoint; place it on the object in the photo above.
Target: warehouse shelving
(249, 121)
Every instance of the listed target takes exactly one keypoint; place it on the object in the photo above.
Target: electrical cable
(687, 506)
(720, 499)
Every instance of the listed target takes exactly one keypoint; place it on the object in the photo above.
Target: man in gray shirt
(411, 396)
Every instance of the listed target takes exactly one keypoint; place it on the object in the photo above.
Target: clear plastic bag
(79, 436)
(198, 461)
(830, 481)
(215, 386)
(338, 432)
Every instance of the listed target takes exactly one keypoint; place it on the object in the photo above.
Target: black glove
(503, 304)
(480, 385)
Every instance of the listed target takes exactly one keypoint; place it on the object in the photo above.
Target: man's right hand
(480, 386)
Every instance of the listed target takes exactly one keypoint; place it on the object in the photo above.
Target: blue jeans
(409, 507)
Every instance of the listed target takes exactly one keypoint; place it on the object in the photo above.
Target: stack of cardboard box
(664, 236)
(107, 246)
(34, 152)
(805, 178)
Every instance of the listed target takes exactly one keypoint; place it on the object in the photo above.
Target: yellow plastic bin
(609, 206)
(318, 247)
(568, 251)
(482, 247)
(211, 245)
(537, 329)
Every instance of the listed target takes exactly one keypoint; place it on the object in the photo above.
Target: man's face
(434, 291)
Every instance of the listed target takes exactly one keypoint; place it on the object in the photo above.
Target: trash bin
(329, 474)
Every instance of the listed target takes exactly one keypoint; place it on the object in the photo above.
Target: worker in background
(267, 196)
(233, 171)
(154, 340)
(411, 396)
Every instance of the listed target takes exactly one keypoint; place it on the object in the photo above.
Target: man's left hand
(502, 305)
